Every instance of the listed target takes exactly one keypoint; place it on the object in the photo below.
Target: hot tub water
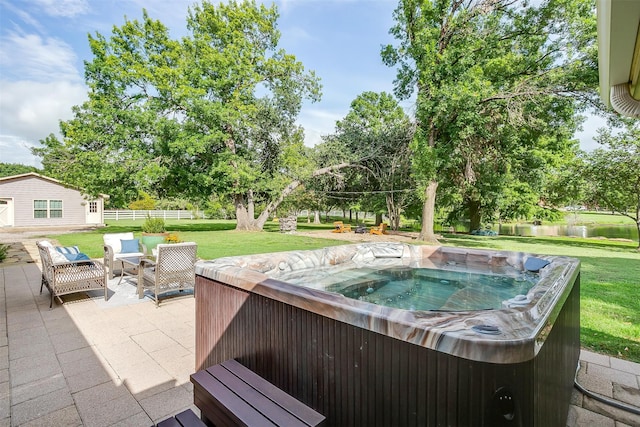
(421, 288)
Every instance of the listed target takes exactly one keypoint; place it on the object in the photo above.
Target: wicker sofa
(62, 276)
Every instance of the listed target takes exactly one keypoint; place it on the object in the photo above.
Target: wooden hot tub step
(229, 394)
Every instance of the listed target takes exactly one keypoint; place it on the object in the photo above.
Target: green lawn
(610, 270)
(215, 238)
(584, 218)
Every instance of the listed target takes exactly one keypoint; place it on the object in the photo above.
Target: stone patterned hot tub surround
(522, 327)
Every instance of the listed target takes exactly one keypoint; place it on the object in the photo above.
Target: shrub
(547, 214)
(153, 225)
(3, 252)
(144, 203)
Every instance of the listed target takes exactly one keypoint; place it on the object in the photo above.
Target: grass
(215, 238)
(584, 218)
(610, 288)
(587, 218)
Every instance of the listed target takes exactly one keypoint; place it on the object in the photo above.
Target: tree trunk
(316, 217)
(428, 213)
(394, 212)
(390, 211)
(378, 218)
(245, 222)
(251, 205)
(475, 216)
(638, 227)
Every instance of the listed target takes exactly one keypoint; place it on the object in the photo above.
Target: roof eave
(619, 54)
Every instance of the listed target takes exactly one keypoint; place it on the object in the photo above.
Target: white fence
(117, 215)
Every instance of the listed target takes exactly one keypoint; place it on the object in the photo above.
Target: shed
(34, 200)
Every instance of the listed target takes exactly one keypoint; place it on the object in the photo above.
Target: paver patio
(83, 364)
(125, 362)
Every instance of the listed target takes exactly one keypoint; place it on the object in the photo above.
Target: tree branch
(293, 185)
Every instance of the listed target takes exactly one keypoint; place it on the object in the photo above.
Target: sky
(44, 44)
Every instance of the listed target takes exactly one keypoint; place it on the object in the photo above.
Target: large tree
(374, 138)
(9, 169)
(480, 68)
(505, 174)
(212, 113)
(614, 171)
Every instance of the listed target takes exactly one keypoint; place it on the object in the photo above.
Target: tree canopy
(10, 169)
(212, 113)
(499, 87)
(483, 71)
(374, 138)
(613, 171)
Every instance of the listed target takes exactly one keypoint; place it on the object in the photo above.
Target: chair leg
(106, 288)
(41, 284)
(51, 303)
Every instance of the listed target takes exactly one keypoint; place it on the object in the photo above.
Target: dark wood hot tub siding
(356, 377)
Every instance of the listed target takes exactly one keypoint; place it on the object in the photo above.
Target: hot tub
(361, 363)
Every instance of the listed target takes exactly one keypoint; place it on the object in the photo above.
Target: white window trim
(48, 208)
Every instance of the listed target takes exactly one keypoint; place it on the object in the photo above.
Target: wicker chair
(173, 270)
(112, 251)
(62, 276)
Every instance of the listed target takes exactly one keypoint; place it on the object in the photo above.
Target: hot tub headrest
(534, 264)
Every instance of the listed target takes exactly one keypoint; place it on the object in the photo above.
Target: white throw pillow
(56, 257)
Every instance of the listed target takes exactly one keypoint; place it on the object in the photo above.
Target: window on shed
(93, 207)
(47, 208)
(55, 208)
(40, 208)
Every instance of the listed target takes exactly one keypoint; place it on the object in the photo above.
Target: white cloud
(32, 57)
(317, 123)
(312, 137)
(172, 13)
(589, 131)
(30, 111)
(295, 34)
(33, 109)
(23, 15)
(65, 8)
(13, 149)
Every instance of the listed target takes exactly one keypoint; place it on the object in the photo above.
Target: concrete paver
(67, 417)
(88, 364)
(625, 366)
(610, 412)
(61, 368)
(583, 417)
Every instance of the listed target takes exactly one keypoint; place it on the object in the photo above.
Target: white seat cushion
(128, 255)
(113, 240)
